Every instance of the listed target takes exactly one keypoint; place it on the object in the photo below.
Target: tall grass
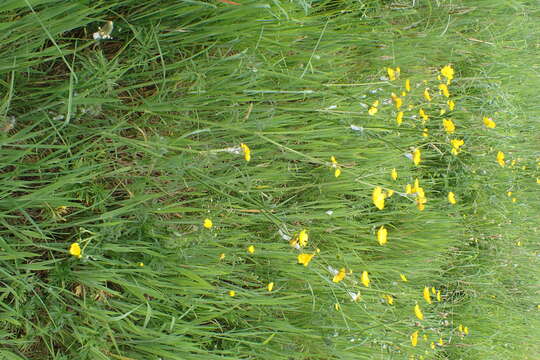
(125, 146)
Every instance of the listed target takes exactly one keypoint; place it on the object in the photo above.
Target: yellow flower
(426, 94)
(408, 189)
(141, 264)
(221, 256)
(337, 170)
(394, 174)
(417, 157)
(448, 73)
(389, 299)
(489, 123)
(247, 151)
(251, 249)
(451, 105)
(500, 158)
(365, 279)
(444, 90)
(449, 126)
(337, 306)
(372, 110)
(451, 198)
(382, 235)
(466, 330)
(438, 295)
(432, 345)
(403, 278)
(538, 180)
(460, 328)
(418, 312)
(441, 341)
(399, 118)
(378, 197)
(423, 115)
(442, 112)
(421, 198)
(398, 102)
(232, 293)
(75, 250)
(304, 259)
(270, 286)
(514, 200)
(408, 85)
(416, 185)
(391, 74)
(414, 338)
(340, 275)
(425, 132)
(426, 295)
(456, 146)
(207, 223)
(303, 238)
(389, 193)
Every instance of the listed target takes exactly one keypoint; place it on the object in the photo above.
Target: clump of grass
(126, 146)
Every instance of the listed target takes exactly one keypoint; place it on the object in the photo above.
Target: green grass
(124, 146)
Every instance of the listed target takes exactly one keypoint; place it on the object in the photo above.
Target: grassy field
(127, 146)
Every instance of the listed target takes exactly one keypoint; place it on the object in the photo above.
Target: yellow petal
(337, 172)
(417, 157)
(207, 223)
(403, 277)
(426, 94)
(232, 293)
(414, 338)
(304, 259)
(303, 238)
(247, 151)
(408, 189)
(365, 279)
(449, 126)
(489, 123)
(398, 102)
(408, 85)
(378, 197)
(340, 275)
(399, 118)
(394, 174)
(251, 249)
(391, 74)
(444, 90)
(427, 295)
(382, 235)
(418, 312)
(75, 250)
(270, 286)
(500, 158)
(451, 198)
